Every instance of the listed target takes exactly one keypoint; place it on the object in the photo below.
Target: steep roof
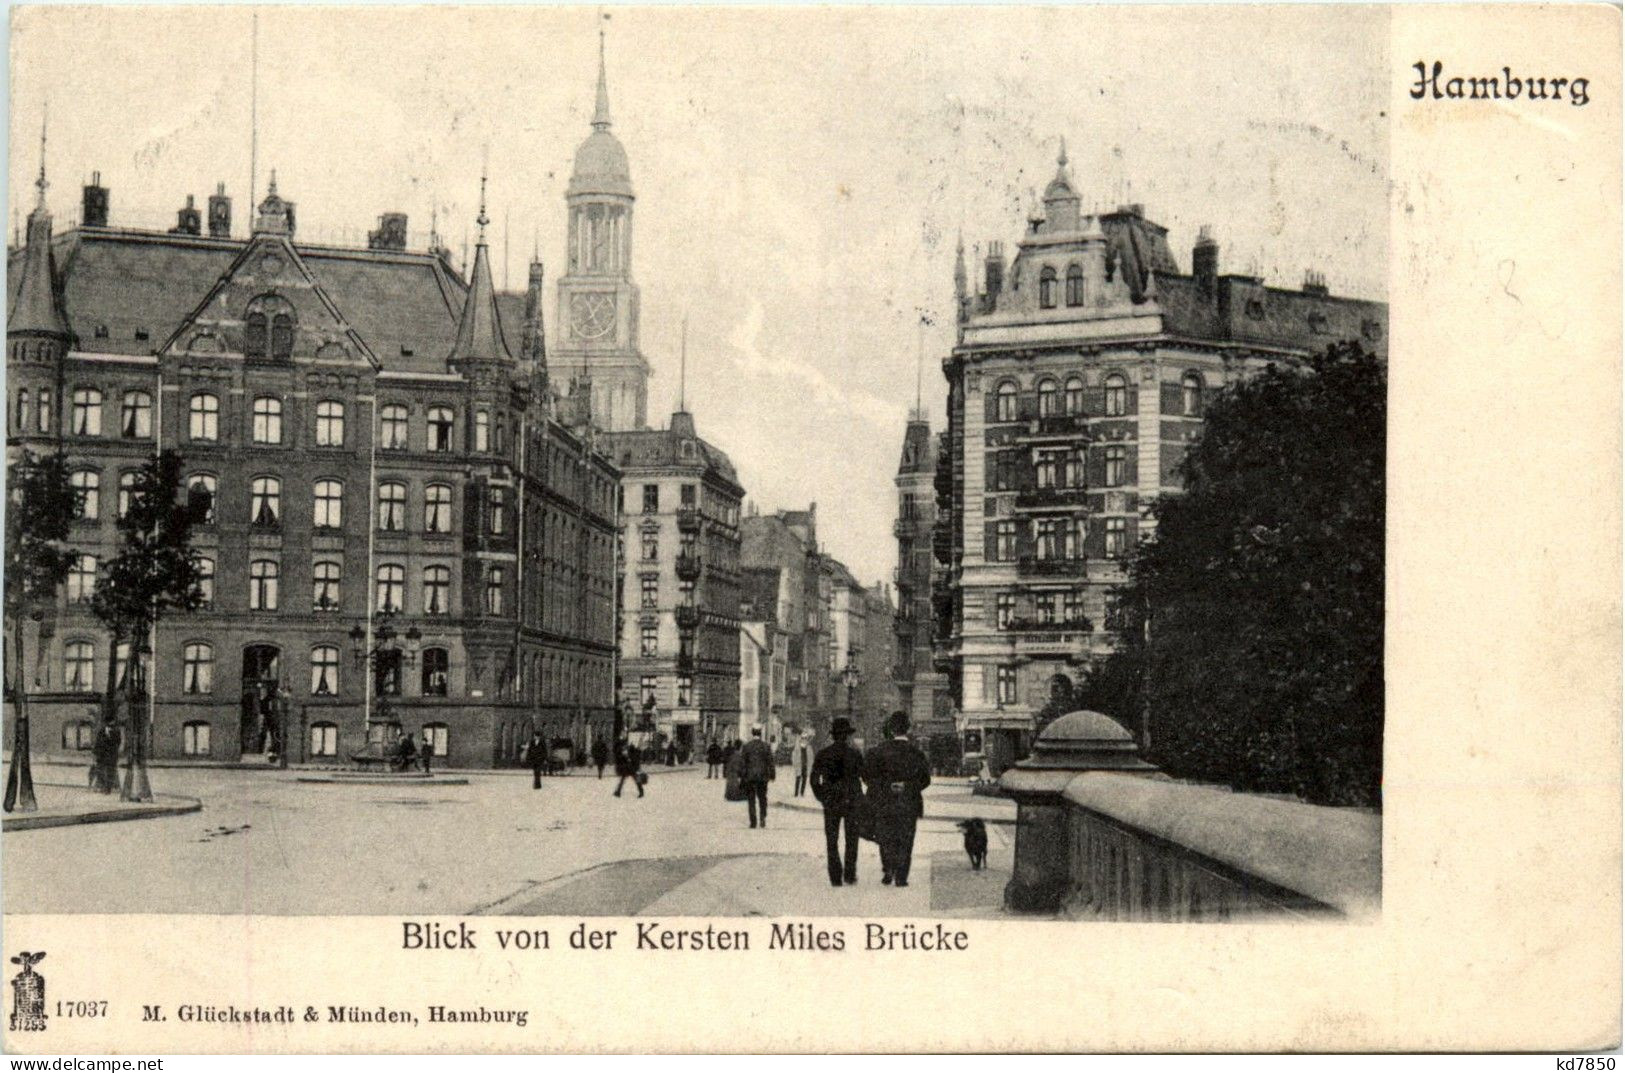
(662, 447)
(479, 331)
(1243, 310)
(36, 304)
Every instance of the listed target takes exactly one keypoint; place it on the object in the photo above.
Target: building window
(1046, 288)
(329, 512)
(126, 491)
(203, 417)
(22, 411)
(1007, 685)
(254, 335)
(493, 590)
(202, 485)
(650, 588)
(87, 412)
(499, 511)
(436, 677)
(651, 499)
(1044, 608)
(197, 668)
(1049, 398)
(648, 690)
(648, 641)
(265, 501)
(81, 579)
(324, 671)
(1190, 395)
(686, 495)
(325, 576)
(87, 488)
(1074, 395)
(437, 739)
(1005, 407)
(651, 547)
(391, 587)
(1116, 396)
(436, 590)
(685, 690)
(263, 575)
(437, 508)
(392, 506)
(78, 667)
(1004, 548)
(135, 419)
(324, 739)
(205, 581)
(1116, 464)
(685, 594)
(267, 420)
(1074, 606)
(392, 434)
(440, 429)
(1074, 285)
(329, 424)
(1076, 531)
(45, 411)
(195, 738)
(1049, 538)
(1004, 609)
(282, 337)
(1116, 537)
(1051, 469)
(79, 735)
(482, 430)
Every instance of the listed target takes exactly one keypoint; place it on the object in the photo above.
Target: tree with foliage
(1262, 664)
(155, 572)
(40, 513)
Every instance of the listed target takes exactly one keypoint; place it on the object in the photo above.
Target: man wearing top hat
(837, 783)
(896, 771)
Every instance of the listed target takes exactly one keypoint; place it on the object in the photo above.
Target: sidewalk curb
(153, 811)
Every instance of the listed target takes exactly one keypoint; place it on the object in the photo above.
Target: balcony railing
(1069, 425)
(1031, 564)
(688, 519)
(688, 618)
(1051, 497)
(1037, 625)
(688, 567)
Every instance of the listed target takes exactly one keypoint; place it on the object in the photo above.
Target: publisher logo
(28, 994)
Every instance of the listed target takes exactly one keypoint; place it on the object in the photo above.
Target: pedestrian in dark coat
(837, 783)
(671, 754)
(426, 752)
(628, 765)
(600, 755)
(755, 772)
(713, 760)
(536, 758)
(802, 754)
(104, 772)
(895, 772)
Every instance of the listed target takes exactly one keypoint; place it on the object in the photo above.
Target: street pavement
(268, 844)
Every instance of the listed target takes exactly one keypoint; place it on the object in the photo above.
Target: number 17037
(89, 1008)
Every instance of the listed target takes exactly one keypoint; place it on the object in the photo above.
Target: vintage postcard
(812, 529)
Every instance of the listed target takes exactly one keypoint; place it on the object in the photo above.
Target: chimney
(995, 269)
(1205, 261)
(188, 221)
(95, 204)
(391, 233)
(1315, 283)
(219, 213)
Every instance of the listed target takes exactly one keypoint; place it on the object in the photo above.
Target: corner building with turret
(1080, 374)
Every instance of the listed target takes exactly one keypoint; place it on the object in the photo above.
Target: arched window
(205, 581)
(324, 671)
(329, 423)
(441, 424)
(195, 738)
(1046, 288)
(263, 575)
(203, 417)
(1074, 395)
(44, 410)
(324, 739)
(255, 335)
(392, 428)
(329, 504)
(267, 419)
(1006, 406)
(1074, 285)
(202, 486)
(87, 488)
(1190, 394)
(436, 590)
(126, 491)
(437, 739)
(437, 508)
(78, 667)
(265, 501)
(197, 668)
(436, 672)
(22, 410)
(79, 735)
(135, 418)
(1116, 396)
(282, 336)
(391, 587)
(1049, 398)
(82, 579)
(325, 574)
(87, 412)
(482, 430)
(392, 506)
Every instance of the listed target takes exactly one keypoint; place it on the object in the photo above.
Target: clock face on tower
(592, 314)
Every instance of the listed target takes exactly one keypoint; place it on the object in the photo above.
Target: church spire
(40, 183)
(479, 332)
(37, 307)
(600, 115)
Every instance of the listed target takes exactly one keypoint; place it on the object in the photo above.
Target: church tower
(598, 302)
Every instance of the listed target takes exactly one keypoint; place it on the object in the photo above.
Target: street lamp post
(383, 658)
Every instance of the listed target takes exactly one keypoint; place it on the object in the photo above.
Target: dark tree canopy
(155, 570)
(39, 517)
(1265, 590)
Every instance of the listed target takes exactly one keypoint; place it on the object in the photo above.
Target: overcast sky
(801, 174)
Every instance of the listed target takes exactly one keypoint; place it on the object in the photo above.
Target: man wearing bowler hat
(895, 772)
(837, 782)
